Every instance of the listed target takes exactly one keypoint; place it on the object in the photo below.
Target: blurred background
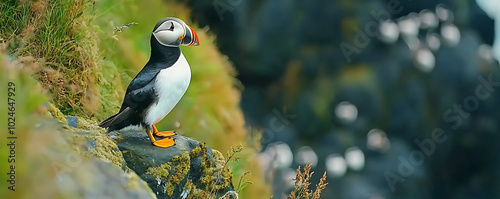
(390, 97)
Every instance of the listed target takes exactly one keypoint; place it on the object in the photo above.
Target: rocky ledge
(189, 169)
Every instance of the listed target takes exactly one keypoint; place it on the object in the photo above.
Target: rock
(72, 121)
(57, 162)
(107, 181)
(189, 168)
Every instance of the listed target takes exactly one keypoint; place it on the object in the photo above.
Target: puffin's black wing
(139, 99)
(144, 77)
(134, 104)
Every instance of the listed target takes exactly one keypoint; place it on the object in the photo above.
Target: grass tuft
(60, 35)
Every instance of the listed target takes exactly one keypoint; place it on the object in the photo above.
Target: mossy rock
(189, 169)
(97, 179)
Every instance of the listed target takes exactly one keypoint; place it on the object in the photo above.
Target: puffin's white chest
(170, 85)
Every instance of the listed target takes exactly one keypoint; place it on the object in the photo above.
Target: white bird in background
(492, 9)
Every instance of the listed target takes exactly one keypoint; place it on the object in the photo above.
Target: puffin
(159, 86)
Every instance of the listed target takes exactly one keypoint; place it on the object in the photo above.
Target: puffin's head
(173, 32)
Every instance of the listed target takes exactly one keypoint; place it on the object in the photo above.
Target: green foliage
(60, 35)
(13, 17)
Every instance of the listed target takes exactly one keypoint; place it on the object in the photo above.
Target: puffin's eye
(171, 26)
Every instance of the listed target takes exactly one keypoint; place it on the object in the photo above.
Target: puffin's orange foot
(165, 133)
(167, 142)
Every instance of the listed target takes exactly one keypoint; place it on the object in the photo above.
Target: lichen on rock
(88, 139)
(106, 150)
(160, 172)
(189, 169)
(180, 170)
(215, 175)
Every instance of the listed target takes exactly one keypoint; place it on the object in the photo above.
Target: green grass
(13, 17)
(60, 34)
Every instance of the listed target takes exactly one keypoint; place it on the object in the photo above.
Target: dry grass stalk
(302, 182)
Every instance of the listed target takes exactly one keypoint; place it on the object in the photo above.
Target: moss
(217, 177)
(174, 173)
(183, 164)
(88, 131)
(107, 151)
(214, 176)
(201, 148)
(218, 157)
(160, 172)
(56, 113)
(195, 192)
(90, 125)
(105, 148)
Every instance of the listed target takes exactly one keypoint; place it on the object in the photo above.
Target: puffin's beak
(190, 39)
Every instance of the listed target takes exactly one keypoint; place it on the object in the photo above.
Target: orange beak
(191, 38)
